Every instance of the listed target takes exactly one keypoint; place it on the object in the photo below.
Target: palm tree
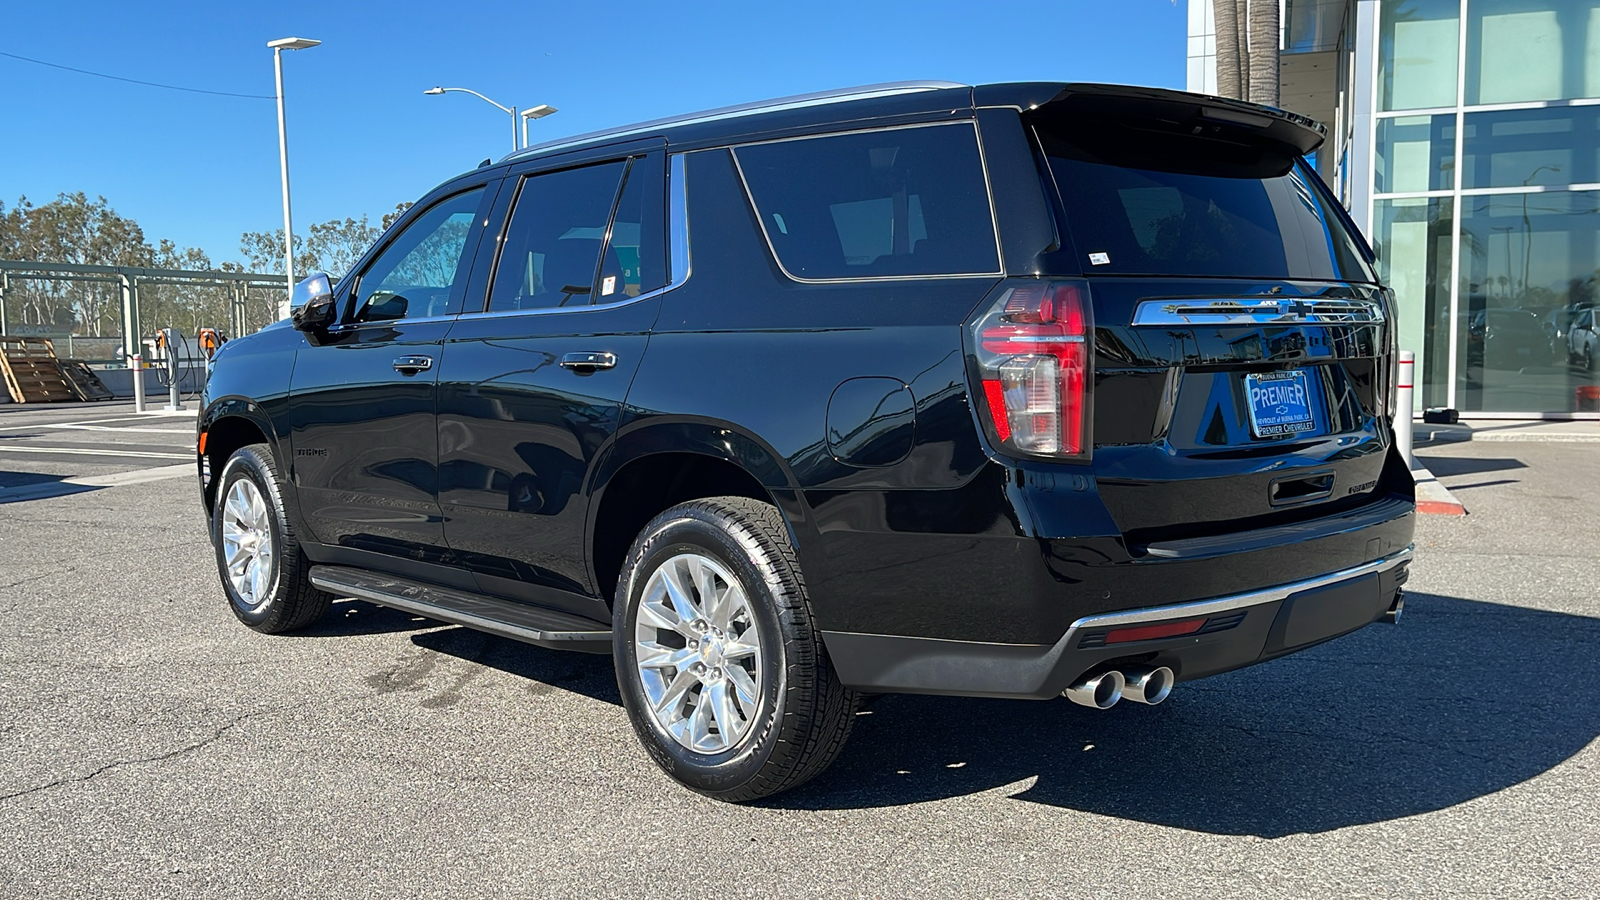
(1247, 49)
(1262, 79)
(1232, 65)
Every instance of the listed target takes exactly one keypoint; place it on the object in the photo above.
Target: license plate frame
(1279, 403)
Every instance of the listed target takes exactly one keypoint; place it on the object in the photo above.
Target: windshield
(1142, 200)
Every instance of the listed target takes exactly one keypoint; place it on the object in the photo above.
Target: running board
(506, 618)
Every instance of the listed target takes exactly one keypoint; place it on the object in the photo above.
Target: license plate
(1280, 404)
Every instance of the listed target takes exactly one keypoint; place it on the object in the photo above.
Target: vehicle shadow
(590, 674)
(9, 479)
(1457, 703)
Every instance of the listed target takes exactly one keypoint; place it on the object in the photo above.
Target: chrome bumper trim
(1216, 605)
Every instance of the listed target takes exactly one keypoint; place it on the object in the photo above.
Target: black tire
(289, 601)
(804, 715)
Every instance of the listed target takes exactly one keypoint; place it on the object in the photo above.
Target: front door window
(418, 274)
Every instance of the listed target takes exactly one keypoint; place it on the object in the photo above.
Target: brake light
(1034, 364)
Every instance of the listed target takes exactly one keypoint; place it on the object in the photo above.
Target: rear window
(893, 203)
(1139, 200)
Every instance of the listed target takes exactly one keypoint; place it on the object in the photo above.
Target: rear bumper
(1238, 630)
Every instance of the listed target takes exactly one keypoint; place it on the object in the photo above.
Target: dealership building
(1464, 138)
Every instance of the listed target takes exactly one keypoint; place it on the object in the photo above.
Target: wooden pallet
(32, 372)
(85, 383)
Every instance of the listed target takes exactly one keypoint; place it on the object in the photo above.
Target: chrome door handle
(588, 362)
(411, 365)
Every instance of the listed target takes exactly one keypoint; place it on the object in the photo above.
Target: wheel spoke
(655, 656)
(719, 608)
(729, 723)
(705, 586)
(739, 648)
(744, 687)
(700, 723)
(660, 617)
(237, 507)
(258, 512)
(679, 685)
(678, 593)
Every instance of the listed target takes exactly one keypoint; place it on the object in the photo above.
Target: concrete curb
(1434, 498)
(1424, 435)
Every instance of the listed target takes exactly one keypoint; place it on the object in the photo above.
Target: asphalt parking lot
(151, 746)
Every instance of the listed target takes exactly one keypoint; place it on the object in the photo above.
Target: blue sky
(202, 169)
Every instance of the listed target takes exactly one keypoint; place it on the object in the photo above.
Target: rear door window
(551, 254)
(1140, 201)
(894, 203)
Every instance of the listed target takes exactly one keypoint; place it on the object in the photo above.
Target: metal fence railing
(102, 313)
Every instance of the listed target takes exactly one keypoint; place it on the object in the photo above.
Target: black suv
(1018, 390)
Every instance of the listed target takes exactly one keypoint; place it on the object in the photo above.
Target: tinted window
(907, 201)
(1140, 201)
(635, 259)
(552, 247)
(418, 272)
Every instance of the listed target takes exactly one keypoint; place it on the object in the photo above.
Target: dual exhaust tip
(1141, 684)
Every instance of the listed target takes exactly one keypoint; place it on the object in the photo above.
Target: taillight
(1034, 359)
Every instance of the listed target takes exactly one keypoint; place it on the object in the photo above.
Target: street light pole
(278, 46)
(509, 110)
(531, 113)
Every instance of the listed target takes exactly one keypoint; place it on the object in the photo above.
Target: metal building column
(1364, 128)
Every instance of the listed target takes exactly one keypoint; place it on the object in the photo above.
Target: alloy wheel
(698, 653)
(247, 544)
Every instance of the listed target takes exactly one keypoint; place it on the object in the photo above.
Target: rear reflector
(994, 392)
(1152, 632)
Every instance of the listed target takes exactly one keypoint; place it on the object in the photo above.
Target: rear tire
(746, 702)
(264, 572)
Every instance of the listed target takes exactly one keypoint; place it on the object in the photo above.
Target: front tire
(719, 661)
(264, 572)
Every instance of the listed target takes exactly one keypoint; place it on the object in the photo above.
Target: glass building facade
(1467, 136)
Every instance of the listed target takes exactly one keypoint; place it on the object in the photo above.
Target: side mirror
(311, 304)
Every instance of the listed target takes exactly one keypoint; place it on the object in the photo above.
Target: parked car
(1506, 340)
(1018, 390)
(1583, 339)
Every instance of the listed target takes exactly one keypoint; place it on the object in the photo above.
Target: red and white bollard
(1402, 407)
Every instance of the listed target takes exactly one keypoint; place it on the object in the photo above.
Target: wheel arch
(227, 425)
(662, 464)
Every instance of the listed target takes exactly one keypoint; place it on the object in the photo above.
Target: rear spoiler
(1280, 126)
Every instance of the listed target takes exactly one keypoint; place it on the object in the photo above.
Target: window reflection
(1416, 153)
(1413, 247)
(1530, 263)
(1525, 50)
(1417, 51)
(1523, 147)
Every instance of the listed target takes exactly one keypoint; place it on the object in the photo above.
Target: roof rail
(820, 98)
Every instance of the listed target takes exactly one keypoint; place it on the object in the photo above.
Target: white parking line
(135, 417)
(119, 429)
(82, 451)
(90, 482)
